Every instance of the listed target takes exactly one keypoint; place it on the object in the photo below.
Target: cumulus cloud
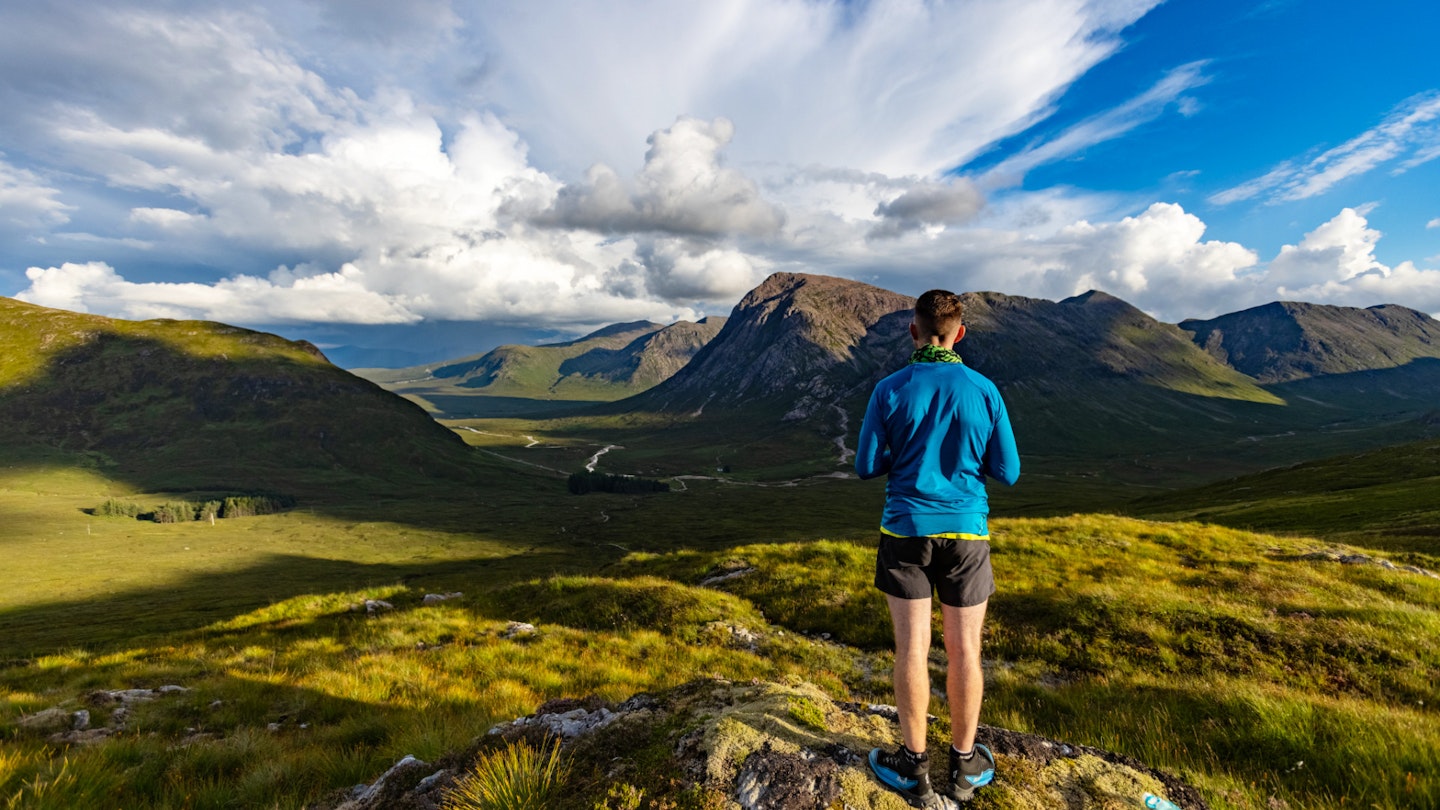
(1410, 134)
(678, 270)
(1148, 257)
(432, 165)
(683, 188)
(338, 296)
(926, 204)
(1336, 264)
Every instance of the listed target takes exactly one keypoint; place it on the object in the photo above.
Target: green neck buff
(930, 353)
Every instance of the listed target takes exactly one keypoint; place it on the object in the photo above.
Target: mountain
(798, 345)
(784, 345)
(1285, 340)
(167, 404)
(611, 363)
(1102, 395)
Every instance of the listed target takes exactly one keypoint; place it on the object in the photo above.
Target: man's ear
(914, 331)
(959, 336)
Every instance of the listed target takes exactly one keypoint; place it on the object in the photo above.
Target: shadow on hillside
(131, 618)
(243, 412)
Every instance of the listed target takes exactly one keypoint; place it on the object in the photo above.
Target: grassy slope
(1210, 651)
(1382, 498)
(169, 404)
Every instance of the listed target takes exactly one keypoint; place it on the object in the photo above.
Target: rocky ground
(766, 746)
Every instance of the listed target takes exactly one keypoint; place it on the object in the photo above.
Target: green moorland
(1266, 678)
(1385, 498)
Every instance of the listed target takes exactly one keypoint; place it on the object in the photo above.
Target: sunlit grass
(1217, 653)
(516, 777)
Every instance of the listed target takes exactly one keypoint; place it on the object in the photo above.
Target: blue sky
(360, 171)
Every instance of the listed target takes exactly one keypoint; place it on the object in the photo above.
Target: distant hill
(1285, 340)
(1100, 393)
(609, 364)
(172, 404)
(801, 346)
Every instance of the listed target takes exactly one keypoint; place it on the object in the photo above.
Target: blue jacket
(938, 429)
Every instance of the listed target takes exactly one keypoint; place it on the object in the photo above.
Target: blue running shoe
(967, 775)
(903, 773)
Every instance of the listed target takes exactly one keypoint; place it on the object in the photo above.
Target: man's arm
(872, 457)
(1002, 460)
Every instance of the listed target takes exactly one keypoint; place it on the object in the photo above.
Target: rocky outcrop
(63, 726)
(765, 746)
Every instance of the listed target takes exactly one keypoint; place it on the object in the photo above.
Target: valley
(1171, 584)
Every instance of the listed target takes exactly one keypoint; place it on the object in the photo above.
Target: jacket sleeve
(1002, 459)
(872, 456)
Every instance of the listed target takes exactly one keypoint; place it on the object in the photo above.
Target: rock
(374, 606)
(47, 720)
(133, 695)
(771, 746)
(81, 737)
(79, 721)
(437, 598)
(566, 725)
(725, 577)
(519, 629)
(392, 786)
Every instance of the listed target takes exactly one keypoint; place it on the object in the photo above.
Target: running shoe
(967, 775)
(903, 773)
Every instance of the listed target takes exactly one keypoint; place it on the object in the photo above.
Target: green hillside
(1387, 498)
(170, 405)
(609, 364)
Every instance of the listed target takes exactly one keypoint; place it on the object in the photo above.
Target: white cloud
(680, 271)
(1432, 224)
(431, 164)
(1410, 131)
(682, 189)
(902, 87)
(96, 286)
(27, 202)
(165, 218)
(1106, 126)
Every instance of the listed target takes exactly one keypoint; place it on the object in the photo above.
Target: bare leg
(964, 681)
(911, 618)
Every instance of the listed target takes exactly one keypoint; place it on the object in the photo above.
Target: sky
(365, 171)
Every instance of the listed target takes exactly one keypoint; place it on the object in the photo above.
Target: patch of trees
(583, 482)
(233, 506)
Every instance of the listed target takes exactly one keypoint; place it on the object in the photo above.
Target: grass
(517, 777)
(1214, 652)
(1382, 498)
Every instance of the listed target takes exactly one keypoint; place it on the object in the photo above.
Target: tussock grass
(516, 777)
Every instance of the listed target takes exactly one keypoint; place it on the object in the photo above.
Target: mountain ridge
(1283, 341)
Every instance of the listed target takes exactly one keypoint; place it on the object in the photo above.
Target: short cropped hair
(938, 312)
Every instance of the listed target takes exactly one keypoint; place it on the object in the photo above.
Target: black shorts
(958, 571)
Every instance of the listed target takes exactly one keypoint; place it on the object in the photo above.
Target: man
(937, 428)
